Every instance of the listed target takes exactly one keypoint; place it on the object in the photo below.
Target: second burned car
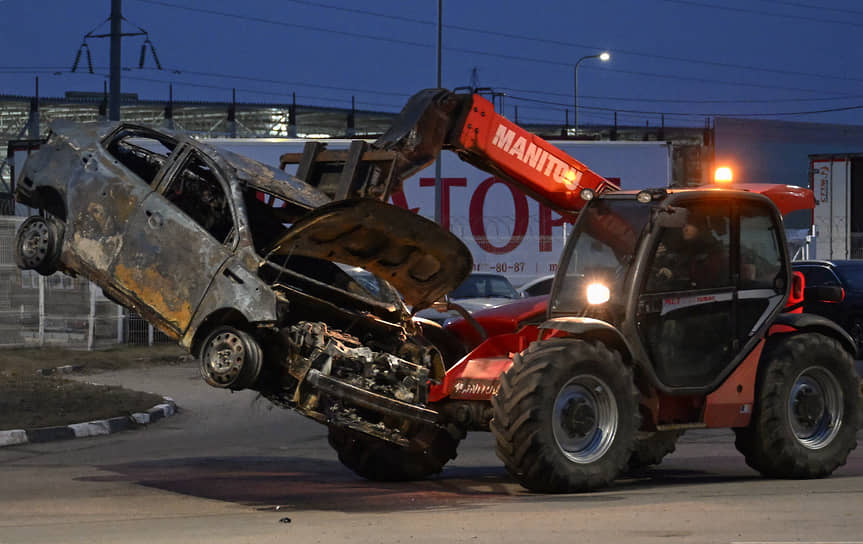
(235, 260)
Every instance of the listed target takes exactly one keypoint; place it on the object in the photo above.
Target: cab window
(760, 256)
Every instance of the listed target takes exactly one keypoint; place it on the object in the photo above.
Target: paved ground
(229, 469)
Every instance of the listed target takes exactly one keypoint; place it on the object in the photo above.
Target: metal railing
(60, 310)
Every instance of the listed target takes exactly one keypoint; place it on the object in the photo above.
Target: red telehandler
(672, 309)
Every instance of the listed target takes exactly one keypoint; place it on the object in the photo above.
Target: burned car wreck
(236, 260)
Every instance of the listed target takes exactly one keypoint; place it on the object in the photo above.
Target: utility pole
(116, 42)
(438, 196)
(33, 121)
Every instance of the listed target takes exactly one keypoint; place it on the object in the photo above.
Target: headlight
(597, 293)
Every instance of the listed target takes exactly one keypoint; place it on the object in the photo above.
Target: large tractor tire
(38, 244)
(651, 448)
(566, 416)
(807, 409)
(378, 460)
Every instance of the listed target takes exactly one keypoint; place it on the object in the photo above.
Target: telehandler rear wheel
(566, 416)
(807, 409)
(378, 460)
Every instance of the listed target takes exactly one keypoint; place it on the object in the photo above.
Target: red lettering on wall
(445, 184)
(477, 214)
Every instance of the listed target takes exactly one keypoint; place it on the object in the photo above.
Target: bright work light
(597, 293)
(723, 174)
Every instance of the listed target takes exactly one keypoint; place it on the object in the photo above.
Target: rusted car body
(235, 260)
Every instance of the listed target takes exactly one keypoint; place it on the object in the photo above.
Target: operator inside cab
(695, 256)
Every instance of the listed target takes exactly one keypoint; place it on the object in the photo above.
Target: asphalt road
(230, 469)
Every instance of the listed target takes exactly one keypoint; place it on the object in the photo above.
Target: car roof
(839, 263)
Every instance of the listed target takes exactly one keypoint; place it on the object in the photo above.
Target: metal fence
(60, 310)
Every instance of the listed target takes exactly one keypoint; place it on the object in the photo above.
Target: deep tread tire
(38, 244)
(855, 329)
(528, 432)
(652, 449)
(770, 443)
(241, 362)
(375, 459)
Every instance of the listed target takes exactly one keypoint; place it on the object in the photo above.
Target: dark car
(834, 289)
(476, 292)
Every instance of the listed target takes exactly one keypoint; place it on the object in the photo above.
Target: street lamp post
(604, 57)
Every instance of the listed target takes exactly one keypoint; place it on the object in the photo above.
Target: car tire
(855, 329)
(566, 416)
(231, 358)
(651, 449)
(375, 459)
(807, 409)
(38, 244)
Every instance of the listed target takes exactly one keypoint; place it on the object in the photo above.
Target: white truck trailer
(837, 181)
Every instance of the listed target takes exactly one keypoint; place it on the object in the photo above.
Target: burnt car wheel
(377, 460)
(231, 358)
(38, 244)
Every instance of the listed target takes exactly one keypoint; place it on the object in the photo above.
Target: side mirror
(824, 293)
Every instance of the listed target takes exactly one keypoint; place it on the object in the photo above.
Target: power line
(765, 13)
(361, 12)
(633, 72)
(680, 100)
(284, 24)
(596, 108)
(812, 6)
(557, 43)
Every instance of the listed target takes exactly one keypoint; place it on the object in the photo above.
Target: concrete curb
(17, 437)
(65, 369)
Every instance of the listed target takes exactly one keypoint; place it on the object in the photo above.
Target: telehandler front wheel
(807, 409)
(566, 416)
(378, 460)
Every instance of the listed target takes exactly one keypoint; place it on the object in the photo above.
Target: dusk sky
(688, 59)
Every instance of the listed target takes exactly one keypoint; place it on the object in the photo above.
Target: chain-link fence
(60, 310)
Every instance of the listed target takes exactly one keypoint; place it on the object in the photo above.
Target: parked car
(479, 291)
(537, 286)
(834, 289)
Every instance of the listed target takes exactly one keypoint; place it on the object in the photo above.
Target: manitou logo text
(535, 157)
(466, 388)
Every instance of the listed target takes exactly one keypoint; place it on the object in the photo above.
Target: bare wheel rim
(225, 357)
(35, 243)
(815, 407)
(584, 419)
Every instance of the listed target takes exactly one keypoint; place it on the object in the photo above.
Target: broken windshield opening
(141, 152)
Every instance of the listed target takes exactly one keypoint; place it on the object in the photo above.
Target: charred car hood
(414, 254)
